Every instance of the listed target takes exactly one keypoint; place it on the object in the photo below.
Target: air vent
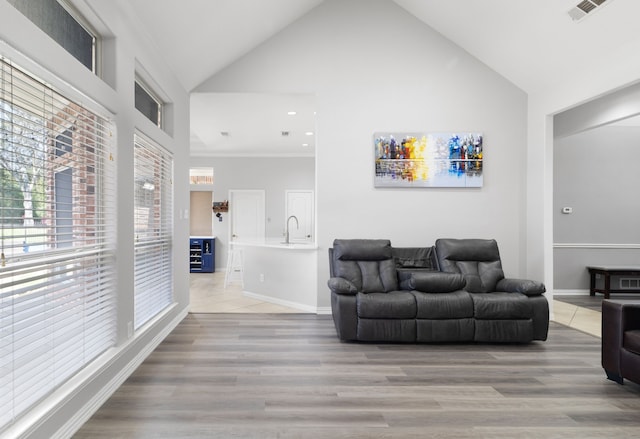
(284, 133)
(629, 283)
(585, 8)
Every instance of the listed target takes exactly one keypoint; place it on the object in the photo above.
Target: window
(201, 176)
(153, 205)
(57, 298)
(67, 29)
(148, 104)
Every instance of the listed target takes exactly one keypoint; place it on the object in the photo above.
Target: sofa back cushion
(631, 341)
(366, 263)
(478, 260)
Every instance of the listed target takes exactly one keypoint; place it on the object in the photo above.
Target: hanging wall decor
(428, 159)
(221, 206)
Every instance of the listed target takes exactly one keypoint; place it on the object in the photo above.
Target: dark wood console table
(607, 272)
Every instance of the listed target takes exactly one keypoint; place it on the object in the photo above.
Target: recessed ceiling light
(309, 133)
(291, 113)
(305, 144)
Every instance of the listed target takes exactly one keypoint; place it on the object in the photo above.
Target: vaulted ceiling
(535, 45)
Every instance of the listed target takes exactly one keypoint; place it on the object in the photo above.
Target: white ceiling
(535, 45)
(247, 124)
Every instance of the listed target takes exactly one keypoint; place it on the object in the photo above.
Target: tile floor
(208, 295)
(582, 319)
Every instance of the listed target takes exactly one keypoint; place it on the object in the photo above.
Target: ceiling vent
(284, 133)
(586, 7)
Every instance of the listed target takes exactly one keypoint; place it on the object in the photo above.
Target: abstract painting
(428, 159)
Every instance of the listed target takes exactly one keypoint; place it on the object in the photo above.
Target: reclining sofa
(454, 291)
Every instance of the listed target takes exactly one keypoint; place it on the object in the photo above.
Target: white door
(246, 210)
(300, 204)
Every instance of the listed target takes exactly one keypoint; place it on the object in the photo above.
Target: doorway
(200, 220)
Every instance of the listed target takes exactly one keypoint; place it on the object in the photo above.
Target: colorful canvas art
(428, 159)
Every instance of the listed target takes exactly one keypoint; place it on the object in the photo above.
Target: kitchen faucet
(286, 241)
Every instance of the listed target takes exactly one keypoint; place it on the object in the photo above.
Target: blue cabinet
(202, 253)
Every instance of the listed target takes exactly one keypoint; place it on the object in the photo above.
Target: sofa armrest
(340, 285)
(612, 335)
(434, 282)
(524, 286)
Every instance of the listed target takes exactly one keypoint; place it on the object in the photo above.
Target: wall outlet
(261, 277)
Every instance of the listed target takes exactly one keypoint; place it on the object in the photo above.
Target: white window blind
(153, 174)
(57, 294)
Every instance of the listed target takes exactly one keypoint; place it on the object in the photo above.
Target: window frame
(139, 82)
(80, 20)
(60, 301)
(91, 30)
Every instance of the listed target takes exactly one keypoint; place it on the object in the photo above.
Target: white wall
(605, 77)
(595, 174)
(274, 175)
(26, 45)
(374, 67)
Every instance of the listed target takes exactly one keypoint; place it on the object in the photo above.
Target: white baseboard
(571, 292)
(281, 302)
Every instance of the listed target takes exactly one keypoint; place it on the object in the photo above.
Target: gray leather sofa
(454, 291)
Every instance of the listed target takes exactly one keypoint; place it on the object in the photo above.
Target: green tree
(22, 152)
(11, 200)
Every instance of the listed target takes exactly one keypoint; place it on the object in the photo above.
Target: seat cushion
(499, 306)
(455, 305)
(392, 305)
(631, 341)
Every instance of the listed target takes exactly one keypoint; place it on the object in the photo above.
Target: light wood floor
(288, 376)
